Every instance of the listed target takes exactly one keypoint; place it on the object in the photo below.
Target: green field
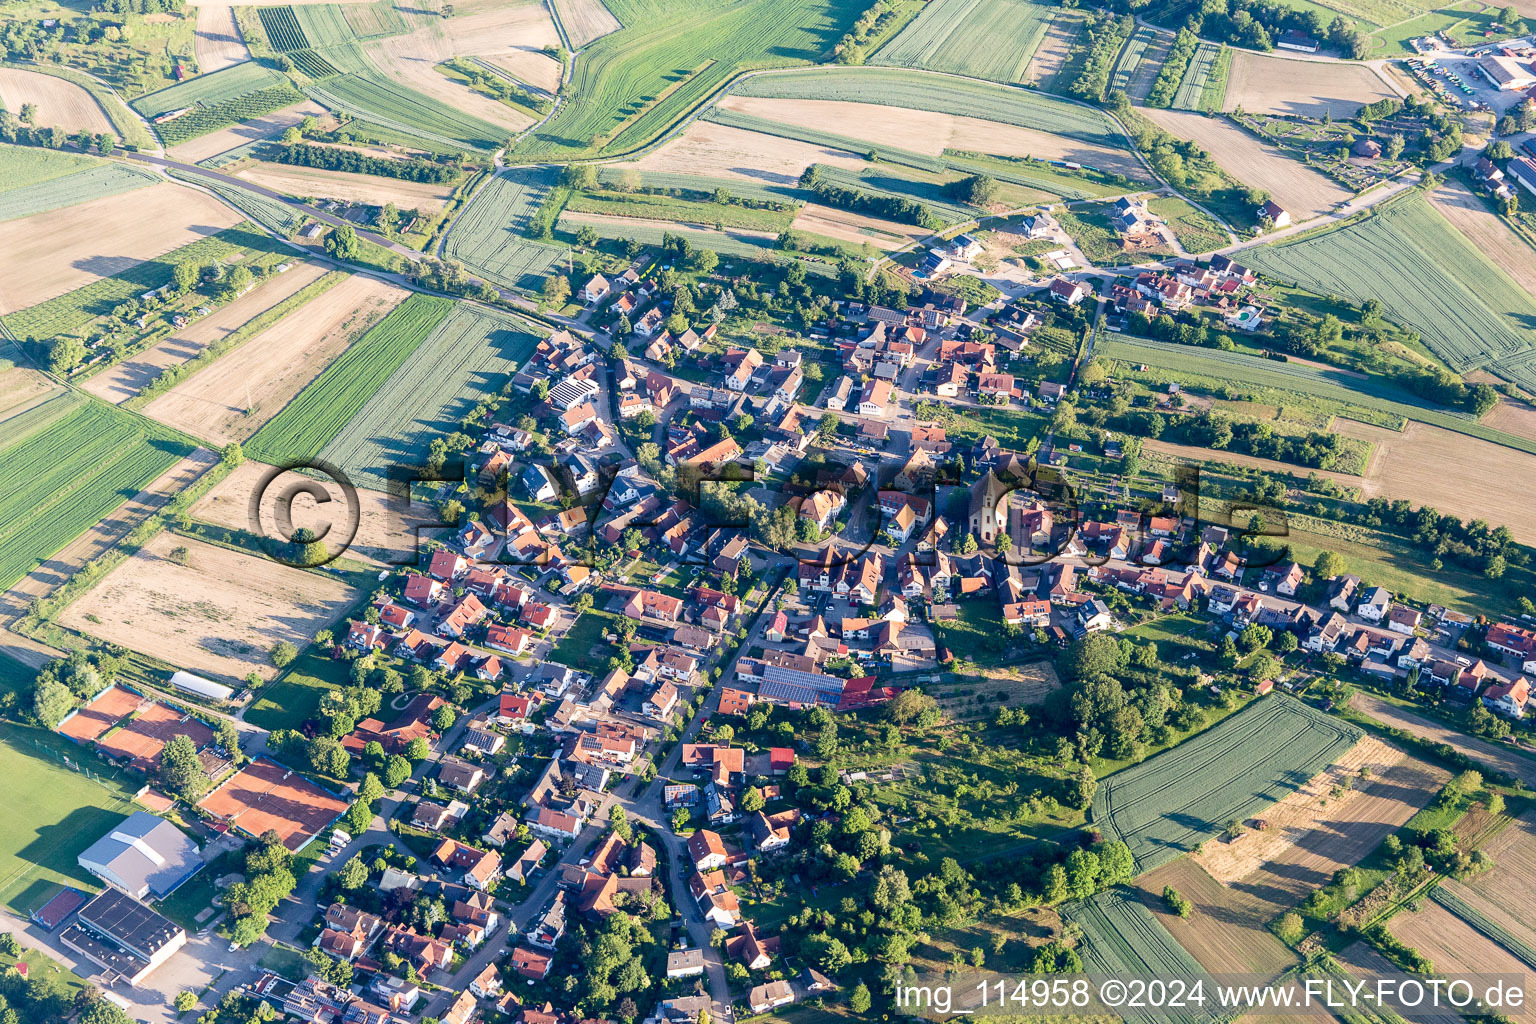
(688, 211)
(612, 176)
(294, 696)
(1202, 366)
(732, 242)
(1199, 74)
(1427, 276)
(468, 357)
(72, 461)
(371, 97)
(1175, 801)
(208, 90)
(52, 815)
(24, 166)
(95, 181)
(1196, 230)
(1122, 938)
(272, 214)
(672, 55)
(64, 313)
(897, 87)
(1129, 62)
(994, 39)
(320, 412)
(488, 236)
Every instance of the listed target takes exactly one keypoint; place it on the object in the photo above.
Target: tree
(580, 176)
(328, 757)
(103, 1012)
(859, 999)
(185, 276)
(343, 243)
(1327, 566)
(752, 800)
(977, 190)
(180, 771)
(418, 750)
(909, 705)
(396, 770)
(557, 289)
(353, 874)
(308, 549)
(283, 653)
(51, 701)
(185, 1001)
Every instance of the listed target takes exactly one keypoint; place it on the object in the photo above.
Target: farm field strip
(208, 90)
(882, 181)
(1453, 901)
(631, 85)
(747, 244)
(96, 182)
(613, 176)
(585, 20)
(897, 87)
(1129, 63)
(1327, 384)
(488, 234)
(1121, 937)
(378, 100)
(1192, 86)
(88, 461)
(858, 147)
(1226, 932)
(272, 214)
(23, 166)
(993, 39)
(1470, 313)
(1173, 802)
(322, 410)
(470, 353)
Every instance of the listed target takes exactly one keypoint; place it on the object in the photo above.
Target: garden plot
(1330, 823)
(60, 104)
(932, 132)
(1303, 192)
(121, 382)
(469, 356)
(231, 399)
(49, 254)
(386, 533)
(212, 610)
(1274, 85)
(425, 197)
(1183, 797)
(219, 43)
(977, 693)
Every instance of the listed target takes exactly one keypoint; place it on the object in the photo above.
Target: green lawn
(575, 648)
(51, 814)
(288, 701)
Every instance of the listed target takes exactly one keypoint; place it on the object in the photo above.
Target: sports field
(469, 356)
(1177, 800)
(993, 39)
(51, 814)
(1426, 275)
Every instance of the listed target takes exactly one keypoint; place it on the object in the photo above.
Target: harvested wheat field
(60, 104)
(386, 534)
(1487, 232)
(1452, 945)
(1497, 756)
(1313, 833)
(1055, 48)
(1301, 190)
(1225, 932)
(1365, 964)
(57, 569)
(422, 196)
(219, 43)
(220, 612)
(496, 32)
(255, 130)
(1471, 479)
(847, 226)
(51, 253)
(22, 388)
(586, 20)
(533, 67)
(1275, 85)
(1516, 418)
(129, 377)
(923, 131)
(231, 399)
(717, 151)
(1503, 894)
